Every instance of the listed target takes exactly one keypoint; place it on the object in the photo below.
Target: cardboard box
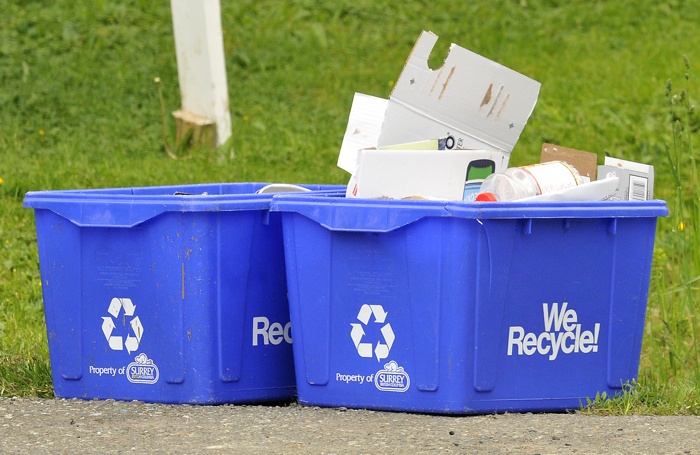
(636, 180)
(422, 174)
(445, 143)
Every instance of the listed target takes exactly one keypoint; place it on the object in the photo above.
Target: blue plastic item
(170, 294)
(465, 308)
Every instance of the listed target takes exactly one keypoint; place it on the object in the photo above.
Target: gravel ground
(54, 426)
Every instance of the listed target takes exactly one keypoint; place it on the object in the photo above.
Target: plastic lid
(486, 197)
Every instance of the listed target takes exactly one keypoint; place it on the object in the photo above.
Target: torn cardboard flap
(482, 104)
(478, 103)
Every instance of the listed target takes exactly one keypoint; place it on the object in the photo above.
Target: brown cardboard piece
(586, 163)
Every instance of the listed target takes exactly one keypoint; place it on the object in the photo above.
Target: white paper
(364, 125)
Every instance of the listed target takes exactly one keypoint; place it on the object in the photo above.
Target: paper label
(552, 176)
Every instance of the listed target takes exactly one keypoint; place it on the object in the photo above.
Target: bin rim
(139, 204)
(559, 209)
(337, 213)
(326, 209)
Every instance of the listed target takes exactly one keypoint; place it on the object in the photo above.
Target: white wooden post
(201, 68)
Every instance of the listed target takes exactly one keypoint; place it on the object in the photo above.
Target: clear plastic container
(527, 181)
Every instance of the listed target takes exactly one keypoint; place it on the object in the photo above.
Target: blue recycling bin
(463, 308)
(172, 294)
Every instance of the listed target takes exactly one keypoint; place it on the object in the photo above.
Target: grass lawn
(80, 109)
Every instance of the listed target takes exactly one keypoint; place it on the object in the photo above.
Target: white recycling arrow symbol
(117, 342)
(365, 349)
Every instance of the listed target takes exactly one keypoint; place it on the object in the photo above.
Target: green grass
(80, 110)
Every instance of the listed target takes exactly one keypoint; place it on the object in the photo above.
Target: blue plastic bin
(465, 308)
(170, 294)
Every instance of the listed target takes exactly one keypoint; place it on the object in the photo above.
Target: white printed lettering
(544, 336)
(276, 333)
(570, 348)
(392, 378)
(348, 378)
(555, 316)
(570, 319)
(513, 341)
(100, 371)
(562, 334)
(288, 332)
(273, 333)
(556, 345)
(530, 344)
(260, 325)
(586, 342)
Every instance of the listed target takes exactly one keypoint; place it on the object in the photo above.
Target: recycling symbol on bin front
(117, 342)
(381, 349)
